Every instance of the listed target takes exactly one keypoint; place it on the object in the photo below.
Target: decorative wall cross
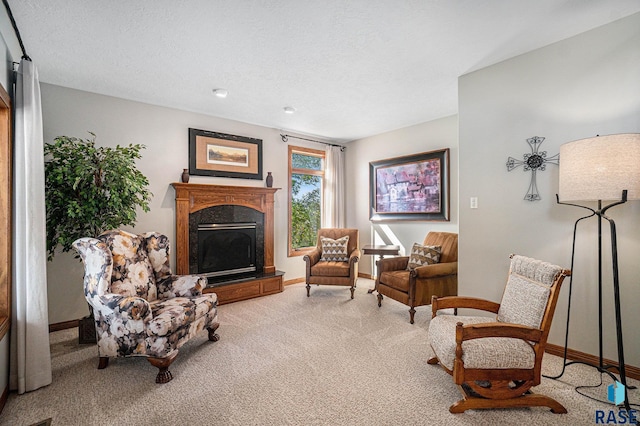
(534, 162)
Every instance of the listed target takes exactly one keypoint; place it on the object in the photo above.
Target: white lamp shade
(600, 168)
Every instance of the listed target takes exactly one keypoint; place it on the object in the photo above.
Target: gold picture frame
(224, 155)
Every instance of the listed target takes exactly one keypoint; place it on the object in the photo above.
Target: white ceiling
(350, 68)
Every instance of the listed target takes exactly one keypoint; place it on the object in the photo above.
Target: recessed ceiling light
(221, 93)
(289, 110)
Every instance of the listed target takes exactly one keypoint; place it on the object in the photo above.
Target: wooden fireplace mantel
(191, 197)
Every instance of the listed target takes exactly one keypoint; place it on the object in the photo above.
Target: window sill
(301, 252)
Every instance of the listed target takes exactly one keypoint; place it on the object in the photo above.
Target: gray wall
(9, 50)
(580, 87)
(164, 131)
(430, 136)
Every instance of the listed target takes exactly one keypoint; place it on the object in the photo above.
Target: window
(306, 173)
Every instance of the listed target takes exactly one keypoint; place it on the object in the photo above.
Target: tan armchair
(416, 287)
(334, 272)
(495, 361)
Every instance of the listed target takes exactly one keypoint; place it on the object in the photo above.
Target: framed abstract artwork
(223, 155)
(413, 187)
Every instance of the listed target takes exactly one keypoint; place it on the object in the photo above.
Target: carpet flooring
(287, 359)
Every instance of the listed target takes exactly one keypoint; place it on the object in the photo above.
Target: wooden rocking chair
(495, 362)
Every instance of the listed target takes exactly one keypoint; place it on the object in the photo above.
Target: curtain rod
(285, 139)
(15, 29)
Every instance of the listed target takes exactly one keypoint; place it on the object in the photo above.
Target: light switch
(474, 202)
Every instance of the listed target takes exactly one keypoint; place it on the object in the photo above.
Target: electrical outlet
(474, 202)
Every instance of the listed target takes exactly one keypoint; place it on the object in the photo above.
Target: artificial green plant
(90, 189)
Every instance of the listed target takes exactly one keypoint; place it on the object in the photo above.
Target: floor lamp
(603, 168)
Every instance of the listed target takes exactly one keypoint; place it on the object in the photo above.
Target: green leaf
(90, 189)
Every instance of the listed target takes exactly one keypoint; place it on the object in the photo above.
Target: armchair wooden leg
(103, 362)
(308, 288)
(213, 336)
(379, 300)
(412, 312)
(164, 375)
(352, 289)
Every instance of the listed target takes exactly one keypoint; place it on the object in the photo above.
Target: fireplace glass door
(226, 249)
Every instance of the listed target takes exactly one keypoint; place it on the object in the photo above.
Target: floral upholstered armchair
(140, 308)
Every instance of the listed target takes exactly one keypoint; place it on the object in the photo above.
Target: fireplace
(245, 272)
(226, 249)
(218, 236)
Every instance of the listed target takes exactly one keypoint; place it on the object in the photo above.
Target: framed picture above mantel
(413, 187)
(224, 155)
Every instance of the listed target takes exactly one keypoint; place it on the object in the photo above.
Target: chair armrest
(181, 286)
(496, 329)
(392, 264)
(128, 307)
(456, 302)
(312, 257)
(354, 256)
(435, 270)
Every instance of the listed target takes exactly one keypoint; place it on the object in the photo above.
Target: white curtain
(30, 361)
(334, 214)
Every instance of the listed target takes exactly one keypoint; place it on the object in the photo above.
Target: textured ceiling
(350, 68)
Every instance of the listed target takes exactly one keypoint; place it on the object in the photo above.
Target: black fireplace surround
(226, 242)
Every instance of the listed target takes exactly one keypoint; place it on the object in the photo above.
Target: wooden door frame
(6, 206)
